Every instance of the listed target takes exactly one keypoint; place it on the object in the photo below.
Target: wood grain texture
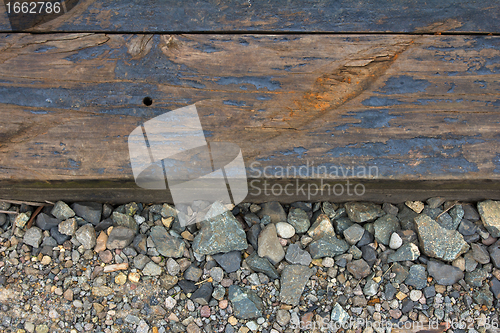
(416, 108)
(170, 16)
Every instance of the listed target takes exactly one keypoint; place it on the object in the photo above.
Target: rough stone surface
(489, 211)
(476, 278)
(221, 233)
(445, 275)
(293, 281)
(408, 251)
(203, 294)
(119, 238)
(33, 237)
(384, 227)
(416, 206)
(417, 277)
(494, 251)
(62, 211)
(45, 222)
(151, 269)
(354, 233)
(246, 304)
(89, 211)
(193, 273)
(167, 245)
(363, 211)
(480, 253)
(327, 246)
(295, 255)
(86, 236)
(140, 243)
(230, 261)
(299, 220)
(274, 210)
(438, 242)
(339, 315)
(262, 265)
(359, 269)
(322, 226)
(269, 246)
(68, 227)
(467, 228)
(124, 220)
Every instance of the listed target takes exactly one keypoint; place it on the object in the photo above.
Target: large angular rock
(327, 246)
(445, 275)
(45, 222)
(246, 303)
(293, 281)
(295, 255)
(89, 211)
(363, 211)
(262, 265)
(124, 220)
(299, 220)
(269, 245)
(86, 236)
(489, 211)
(166, 244)
(220, 233)
(384, 227)
(119, 238)
(438, 242)
(408, 251)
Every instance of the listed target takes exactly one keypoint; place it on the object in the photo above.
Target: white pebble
(328, 262)
(415, 295)
(252, 325)
(285, 230)
(170, 302)
(395, 242)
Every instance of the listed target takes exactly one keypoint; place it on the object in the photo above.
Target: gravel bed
(351, 267)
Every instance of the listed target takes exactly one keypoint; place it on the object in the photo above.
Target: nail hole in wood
(147, 101)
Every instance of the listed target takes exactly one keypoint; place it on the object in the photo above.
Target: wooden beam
(414, 108)
(172, 16)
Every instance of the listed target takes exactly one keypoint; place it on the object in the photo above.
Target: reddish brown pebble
(396, 314)
(307, 318)
(488, 241)
(133, 287)
(106, 256)
(68, 295)
(95, 273)
(205, 311)
(223, 304)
